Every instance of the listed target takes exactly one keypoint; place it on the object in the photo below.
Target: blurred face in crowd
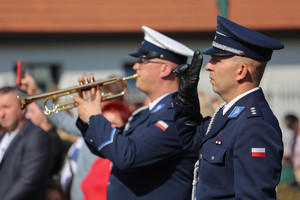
(35, 114)
(114, 118)
(11, 117)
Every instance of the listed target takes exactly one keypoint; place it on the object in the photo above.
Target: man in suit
(240, 147)
(148, 161)
(24, 152)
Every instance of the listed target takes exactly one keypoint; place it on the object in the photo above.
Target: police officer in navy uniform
(148, 160)
(240, 146)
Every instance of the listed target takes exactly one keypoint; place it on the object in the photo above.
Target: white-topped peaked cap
(165, 42)
(157, 45)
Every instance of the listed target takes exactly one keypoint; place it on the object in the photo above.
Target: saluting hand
(188, 75)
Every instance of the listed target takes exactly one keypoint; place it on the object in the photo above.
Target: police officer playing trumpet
(148, 160)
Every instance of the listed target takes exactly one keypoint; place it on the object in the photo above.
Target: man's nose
(136, 66)
(208, 67)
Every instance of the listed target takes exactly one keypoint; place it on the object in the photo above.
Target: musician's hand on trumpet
(88, 102)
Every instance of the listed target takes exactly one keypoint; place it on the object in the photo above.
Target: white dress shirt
(6, 140)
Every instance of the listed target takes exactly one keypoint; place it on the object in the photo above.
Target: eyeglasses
(145, 61)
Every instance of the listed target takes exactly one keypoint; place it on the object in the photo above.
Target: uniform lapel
(138, 117)
(142, 114)
(219, 121)
(141, 117)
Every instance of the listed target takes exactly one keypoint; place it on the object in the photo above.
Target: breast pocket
(212, 165)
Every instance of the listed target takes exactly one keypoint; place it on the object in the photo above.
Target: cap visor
(216, 52)
(136, 54)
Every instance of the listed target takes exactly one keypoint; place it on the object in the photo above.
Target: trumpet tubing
(28, 99)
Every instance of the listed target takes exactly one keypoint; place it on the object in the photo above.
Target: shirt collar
(5, 142)
(12, 134)
(228, 105)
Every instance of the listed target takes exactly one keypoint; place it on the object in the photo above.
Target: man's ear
(242, 72)
(165, 70)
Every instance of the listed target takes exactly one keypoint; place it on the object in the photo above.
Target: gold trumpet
(27, 99)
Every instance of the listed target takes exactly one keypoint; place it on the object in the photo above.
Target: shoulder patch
(253, 111)
(236, 111)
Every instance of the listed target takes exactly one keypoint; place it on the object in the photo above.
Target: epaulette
(252, 110)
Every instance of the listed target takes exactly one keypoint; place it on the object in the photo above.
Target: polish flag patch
(162, 125)
(258, 152)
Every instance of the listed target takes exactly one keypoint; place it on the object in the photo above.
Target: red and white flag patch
(258, 152)
(162, 125)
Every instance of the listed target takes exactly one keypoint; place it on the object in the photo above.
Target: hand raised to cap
(188, 75)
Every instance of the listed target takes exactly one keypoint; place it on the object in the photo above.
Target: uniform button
(212, 158)
(108, 184)
(200, 156)
(198, 179)
(91, 141)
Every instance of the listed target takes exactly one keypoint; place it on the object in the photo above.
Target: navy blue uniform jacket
(148, 160)
(240, 157)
